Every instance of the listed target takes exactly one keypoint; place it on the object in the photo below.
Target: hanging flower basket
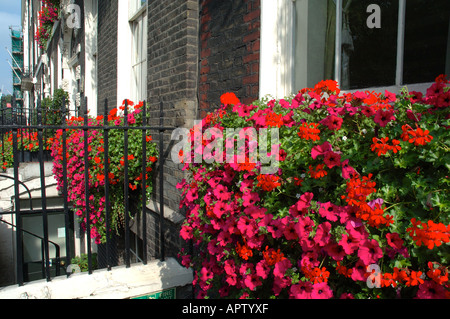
(358, 206)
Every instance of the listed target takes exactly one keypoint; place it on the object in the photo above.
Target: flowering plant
(26, 141)
(46, 17)
(358, 207)
(96, 148)
(6, 148)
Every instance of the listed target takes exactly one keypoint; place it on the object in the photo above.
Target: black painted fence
(17, 120)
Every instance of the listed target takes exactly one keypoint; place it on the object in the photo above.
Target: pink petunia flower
(323, 235)
(320, 149)
(250, 199)
(221, 193)
(347, 170)
(310, 259)
(332, 159)
(247, 226)
(359, 271)
(220, 209)
(262, 269)
(383, 117)
(281, 267)
(431, 290)
(302, 204)
(335, 251)
(255, 212)
(369, 251)
(350, 242)
(242, 109)
(252, 281)
(276, 228)
(329, 211)
(321, 291)
(303, 227)
(224, 238)
(289, 231)
(279, 283)
(333, 122)
(192, 194)
(302, 290)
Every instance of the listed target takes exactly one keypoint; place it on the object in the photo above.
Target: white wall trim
(123, 53)
(277, 49)
(90, 87)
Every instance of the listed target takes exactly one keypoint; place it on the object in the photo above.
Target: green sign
(165, 294)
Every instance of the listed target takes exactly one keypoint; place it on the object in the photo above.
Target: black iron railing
(18, 121)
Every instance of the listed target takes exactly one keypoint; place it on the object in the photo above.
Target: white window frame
(91, 51)
(128, 13)
(277, 50)
(138, 23)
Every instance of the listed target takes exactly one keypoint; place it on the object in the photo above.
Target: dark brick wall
(172, 77)
(107, 53)
(229, 51)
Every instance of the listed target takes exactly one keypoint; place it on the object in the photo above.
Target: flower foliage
(358, 208)
(26, 141)
(96, 169)
(46, 17)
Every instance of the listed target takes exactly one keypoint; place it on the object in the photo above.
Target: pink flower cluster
(46, 17)
(76, 178)
(314, 226)
(96, 171)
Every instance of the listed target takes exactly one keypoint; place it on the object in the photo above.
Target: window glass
(139, 58)
(314, 42)
(135, 5)
(427, 47)
(369, 54)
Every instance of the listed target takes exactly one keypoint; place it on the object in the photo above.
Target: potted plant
(358, 206)
(97, 177)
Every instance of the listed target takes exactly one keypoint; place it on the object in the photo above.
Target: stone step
(29, 174)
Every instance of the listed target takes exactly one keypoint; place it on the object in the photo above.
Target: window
(410, 45)
(332, 39)
(427, 40)
(138, 25)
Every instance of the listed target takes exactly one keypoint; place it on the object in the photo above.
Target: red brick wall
(229, 51)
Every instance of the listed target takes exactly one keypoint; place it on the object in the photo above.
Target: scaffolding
(17, 64)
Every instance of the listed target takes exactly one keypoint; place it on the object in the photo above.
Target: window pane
(315, 33)
(139, 58)
(135, 5)
(426, 40)
(369, 55)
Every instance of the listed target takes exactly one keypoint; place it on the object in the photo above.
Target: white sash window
(138, 25)
(363, 44)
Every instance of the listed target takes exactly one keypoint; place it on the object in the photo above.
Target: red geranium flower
(229, 98)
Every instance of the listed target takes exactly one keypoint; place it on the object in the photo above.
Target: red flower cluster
(46, 17)
(320, 221)
(309, 131)
(268, 182)
(381, 147)
(229, 99)
(96, 170)
(430, 234)
(417, 136)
